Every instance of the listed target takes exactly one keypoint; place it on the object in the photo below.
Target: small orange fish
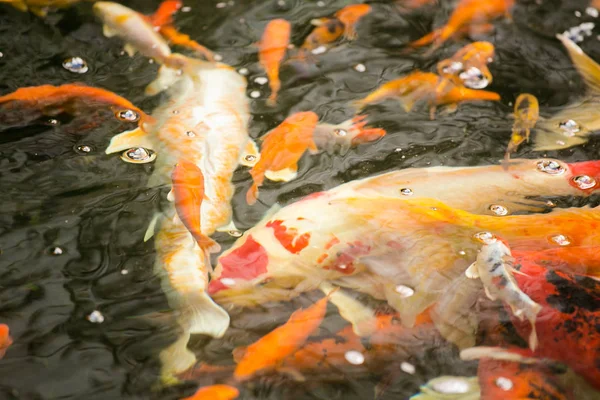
(424, 86)
(468, 66)
(164, 14)
(527, 112)
(277, 345)
(326, 32)
(468, 15)
(188, 191)
(349, 16)
(71, 97)
(215, 392)
(5, 339)
(281, 150)
(272, 49)
(346, 134)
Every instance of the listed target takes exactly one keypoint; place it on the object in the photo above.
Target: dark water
(95, 208)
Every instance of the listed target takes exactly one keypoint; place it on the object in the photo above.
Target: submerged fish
(327, 31)
(526, 115)
(269, 351)
(272, 49)
(215, 392)
(494, 266)
(345, 135)
(572, 125)
(568, 324)
(425, 87)
(349, 16)
(468, 66)
(281, 149)
(73, 98)
(40, 7)
(5, 339)
(468, 16)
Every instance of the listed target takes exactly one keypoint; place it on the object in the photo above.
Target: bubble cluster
(96, 317)
(569, 127)
(473, 78)
(76, 65)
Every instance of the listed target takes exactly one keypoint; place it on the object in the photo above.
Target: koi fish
(272, 49)
(572, 260)
(468, 66)
(281, 149)
(572, 126)
(467, 16)
(423, 86)
(274, 347)
(494, 266)
(349, 16)
(188, 191)
(215, 392)
(72, 98)
(526, 116)
(505, 374)
(327, 31)
(164, 14)
(39, 7)
(347, 134)
(5, 339)
(568, 324)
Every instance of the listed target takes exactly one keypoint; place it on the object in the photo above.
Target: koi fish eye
(340, 132)
(551, 167)
(569, 127)
(138, 155)
(127, 115)
(584, 182)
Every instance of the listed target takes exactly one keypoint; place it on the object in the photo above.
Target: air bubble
(404, 291)
(569, 127)
(504, 383)
(561, 240)
(235, 233)
(138, 155)
(96, 317)
(360, 68)
(498, 209)
(53, 121)
(243, 71)
(128, 115)
(250, 157)
(57, 251)
(354, 357)
(190, 134)
(124, 272)
(340, 132)
(550, 167)
(584, 182)
(228, 281)
(319, 50)
(408, 367)
(76, 65)
(255, 94)
(84, 148)
(406, 191)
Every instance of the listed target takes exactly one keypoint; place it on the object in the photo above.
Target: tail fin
(205, 316)
(364, 135)
(176, 359)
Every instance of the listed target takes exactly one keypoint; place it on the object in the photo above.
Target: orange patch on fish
(215, 392)
(164, 14)
(5, 339)
(350, 15)
(282, 148)
(269, 351)
(288, 237)
(272, 49)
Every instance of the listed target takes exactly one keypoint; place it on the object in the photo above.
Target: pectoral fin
(166, 77)
(129, 139)
(472, 272)
(108, 31)
(130, 50)
(205, 316)
(283, 175)
(176, 359)
(359, 315)
(151, 228)
(588, 68)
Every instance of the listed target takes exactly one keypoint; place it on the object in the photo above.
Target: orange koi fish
(164, 13)
(347, 134)
(215, 392)
(188, 191)
(568, 324)
(40, 7)
(272, 49)
(468, 15)
(280, 343)
(423, 86)
(72, 98)
(327, 31)
(526, 115)
(5, 339)
(349, 16)
(468, 66)
(281, 150)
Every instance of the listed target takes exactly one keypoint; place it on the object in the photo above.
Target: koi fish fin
(547, 140)
(130, 50)
(129, 139)
(151, 228)
(489, 294)
(497, 353)
(18, 4)
(251, 155)
(207, 244)
(472, 272)
(205, 316)
(587, 68)
(283, 175)
(165, 79)
(252, 194)
(238, 353)
(359, 315)
(108, 32)
(230, 227)
(176, 359)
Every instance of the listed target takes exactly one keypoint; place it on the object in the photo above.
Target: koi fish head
(360, 134)
(109, 11)
(347, 134)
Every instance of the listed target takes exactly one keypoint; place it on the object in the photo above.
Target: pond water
(86, 311)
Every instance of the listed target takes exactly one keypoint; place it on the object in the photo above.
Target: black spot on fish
(496, 266)
(571, 294)
(502, 282)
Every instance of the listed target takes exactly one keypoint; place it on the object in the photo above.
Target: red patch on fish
(289, 237)
(344, 262)
(247, 262)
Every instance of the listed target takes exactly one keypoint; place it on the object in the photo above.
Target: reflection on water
(86, 312)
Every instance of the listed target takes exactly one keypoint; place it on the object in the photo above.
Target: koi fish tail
(275, 84)
(207, 244)
(204, 315)
(586, 66)
(176, 359)
(364, 135)
(475, 95)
